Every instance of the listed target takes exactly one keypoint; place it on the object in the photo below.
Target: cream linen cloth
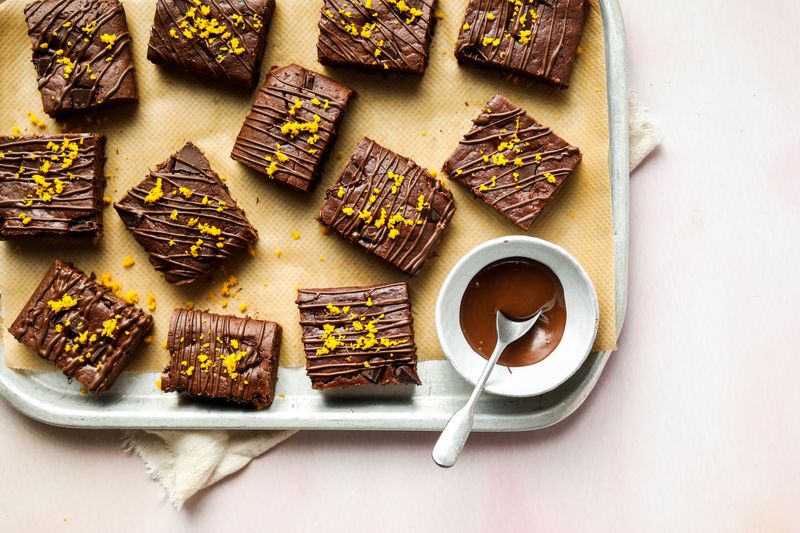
(185, 462)
(644, 136)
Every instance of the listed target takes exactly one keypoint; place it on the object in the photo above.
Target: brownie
(537, 38)
(82, 54)
(512, 162)
(358, 336)
(81, 327)
(389, 206)
(222, 357)
(184, 217)
(222, 40)
(292, 126)
(378, 35)
(52, 186)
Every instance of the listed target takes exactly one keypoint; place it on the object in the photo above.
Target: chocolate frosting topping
(358, 336)
(82, 54)
(519, 288)
(534, 38)
(52, 185)
(222, 356)
(389, 206)
(512, 162)
(81, 327)
(183, 215)
(292, 126)
(382, 35)
(218, 39)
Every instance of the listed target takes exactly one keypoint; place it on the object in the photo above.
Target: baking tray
(135, 402)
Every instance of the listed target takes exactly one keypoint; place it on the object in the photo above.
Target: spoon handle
(455, 434)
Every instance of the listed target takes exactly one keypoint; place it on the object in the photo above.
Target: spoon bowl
(583, 316)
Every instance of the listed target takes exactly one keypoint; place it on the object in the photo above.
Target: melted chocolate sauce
(518, 287)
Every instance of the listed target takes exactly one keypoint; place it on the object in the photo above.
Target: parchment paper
(420, 118)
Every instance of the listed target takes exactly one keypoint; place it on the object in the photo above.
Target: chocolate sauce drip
(92, 339)
(222, 356)
(519, 288)
(76, 211)
(77, 70)
(247, 21)
(350, 315)
(538, 39)
(520, 179)
(425, 206)
(261, 133)
(380, 37)
(186, 237)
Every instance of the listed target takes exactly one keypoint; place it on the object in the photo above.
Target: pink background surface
(694, 424)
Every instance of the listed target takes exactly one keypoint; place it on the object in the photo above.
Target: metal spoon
(457, 430)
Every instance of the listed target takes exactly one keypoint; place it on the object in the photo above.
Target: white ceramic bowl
(583, 316)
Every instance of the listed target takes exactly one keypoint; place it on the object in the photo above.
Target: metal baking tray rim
(42, 396)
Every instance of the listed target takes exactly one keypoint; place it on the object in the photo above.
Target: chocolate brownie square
(358, 336)
(222, 357)
(81, 327)
(52, 186)
(222, 40)
(379, 35)
(537, 38)
(292, 126)
(389, 206)
(512, 162)
(184, 217)
(82, 54)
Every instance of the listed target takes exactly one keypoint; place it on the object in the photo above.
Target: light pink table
(695, 424)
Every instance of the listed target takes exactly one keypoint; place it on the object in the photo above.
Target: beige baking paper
(420, 118)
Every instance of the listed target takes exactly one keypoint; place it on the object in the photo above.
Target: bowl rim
(550, 249)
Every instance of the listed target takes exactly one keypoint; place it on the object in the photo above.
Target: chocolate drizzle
(519, 180)
(358, 336)
(76, 211)
(398, 41)
(519, 288)
(71, 60)
(247, 21)
(186, 237)
(261, 135)
(222, 356)
(365, 193)
(78, 339)
(538, 39)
